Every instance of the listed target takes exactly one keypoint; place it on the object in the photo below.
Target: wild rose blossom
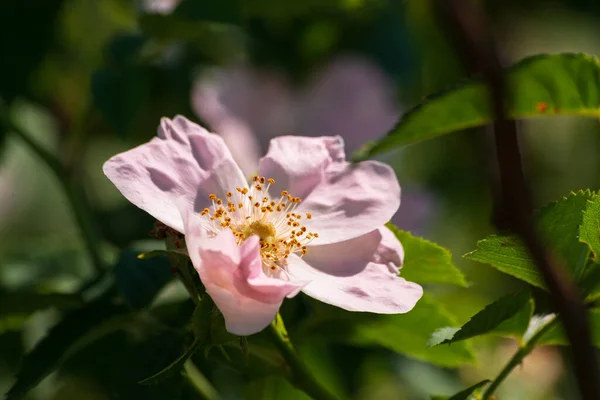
(309, 221)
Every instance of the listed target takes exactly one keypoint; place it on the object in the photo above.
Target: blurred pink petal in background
(350, 97)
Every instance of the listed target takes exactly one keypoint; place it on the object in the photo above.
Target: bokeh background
(87, 79)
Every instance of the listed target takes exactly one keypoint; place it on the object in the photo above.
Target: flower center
(248, 212)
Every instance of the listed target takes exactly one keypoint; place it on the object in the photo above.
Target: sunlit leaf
(509, 255)
(589, 231)
(426, 262)
(541, 85)
(558, 223)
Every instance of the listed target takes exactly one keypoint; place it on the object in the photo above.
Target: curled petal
(389, 251)
(184, 163)
(374, 289)
(234, 279)
(298, 164)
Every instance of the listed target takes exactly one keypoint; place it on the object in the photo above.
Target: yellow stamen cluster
(251, 211)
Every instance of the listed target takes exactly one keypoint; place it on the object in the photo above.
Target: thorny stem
(74, 193)
(301, 377)
(475, 42)
(523, 351)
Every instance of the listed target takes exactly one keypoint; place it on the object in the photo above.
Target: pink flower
(310, 221)
(350, 97)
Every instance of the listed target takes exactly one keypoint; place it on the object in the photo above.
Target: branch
(517, 359)
(474, 41)
(301, 376)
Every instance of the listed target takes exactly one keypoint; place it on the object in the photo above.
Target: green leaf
(464, 394)
(507, 254)
(442, 335)
(491, 317)
(590, 283)
(426, 262)
(558, 224)
(541, 85)
(589, 231)
(174, 368)
(403, 333)
(517, 325)
(53, 349)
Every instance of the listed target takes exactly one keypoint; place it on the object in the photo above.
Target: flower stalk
(300, 376)
(517, 359)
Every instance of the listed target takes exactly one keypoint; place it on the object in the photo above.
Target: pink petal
(389, 251)
(184, 162)
(350, 96)
(345, 258)
(374, 289)
(298, 164)
(234, 278)
(352, 256)
(351, 202)
(345, 200)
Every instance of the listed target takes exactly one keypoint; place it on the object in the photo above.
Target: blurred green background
(87, 79)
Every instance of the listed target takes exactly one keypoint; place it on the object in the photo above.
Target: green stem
(301, 377)
(75, 196)
(199, 382)
(523, 351)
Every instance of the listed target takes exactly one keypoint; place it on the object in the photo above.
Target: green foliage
(590, 283)
(589, 232)
(464, 394)
(17, 306)
(426, 262)
(558, 224)
(490, 318)
(541, 85)
(516, 326)
(509, 255)
(556, 335)
(220, 11)
(31, 27)
(403, 333)
(53, 349)
(139, 279)
(173, 368)
(26, 302)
